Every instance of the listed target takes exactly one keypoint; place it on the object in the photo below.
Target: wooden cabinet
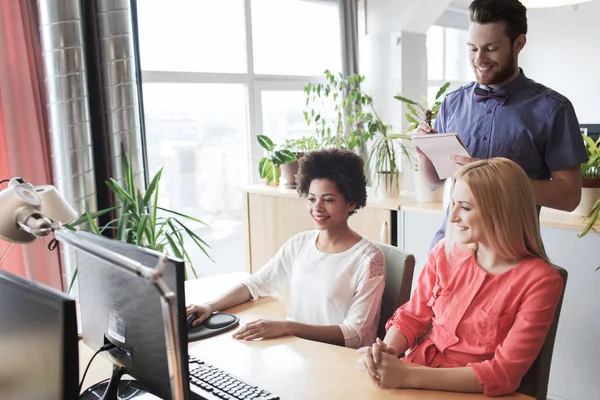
(273, 216)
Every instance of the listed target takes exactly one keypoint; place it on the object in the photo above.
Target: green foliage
(268, 167)
(351, 123)
(420, 112)
(302, 145)
(138, 221)
(591, 168)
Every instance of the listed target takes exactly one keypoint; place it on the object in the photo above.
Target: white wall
(563, 53)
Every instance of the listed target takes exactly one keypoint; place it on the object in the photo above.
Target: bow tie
(499, 95)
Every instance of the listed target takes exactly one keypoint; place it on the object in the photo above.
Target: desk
(290, 367)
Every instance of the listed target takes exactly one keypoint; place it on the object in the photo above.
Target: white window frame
(439, 82)
(254, 83)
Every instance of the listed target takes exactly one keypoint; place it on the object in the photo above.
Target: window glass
(192, 35)
(197, 133)
(292, 37)
(435, 53)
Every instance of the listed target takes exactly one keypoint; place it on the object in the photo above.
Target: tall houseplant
(341, 113)
(138, 221)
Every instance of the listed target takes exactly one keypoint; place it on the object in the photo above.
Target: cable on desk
(106, 347)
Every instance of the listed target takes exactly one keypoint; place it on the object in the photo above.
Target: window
(447, 59)
(210, 85)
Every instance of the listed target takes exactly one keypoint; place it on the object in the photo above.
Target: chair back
(400, 266)
(535, 381)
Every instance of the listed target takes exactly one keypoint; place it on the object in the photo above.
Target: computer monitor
(124, 309)
(38, 341)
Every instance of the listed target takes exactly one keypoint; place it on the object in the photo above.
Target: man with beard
(506, 114)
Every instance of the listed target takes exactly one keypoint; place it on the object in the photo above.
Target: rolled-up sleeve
(413, 318)
(360, 325)
(502, 374)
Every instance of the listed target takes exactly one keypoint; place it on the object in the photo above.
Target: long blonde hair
(504, 200)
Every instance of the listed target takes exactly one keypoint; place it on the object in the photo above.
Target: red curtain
(24, 134)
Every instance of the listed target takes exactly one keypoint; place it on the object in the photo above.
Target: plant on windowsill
(590, 190)
(138, 221)
(340, 112)
(269, 166)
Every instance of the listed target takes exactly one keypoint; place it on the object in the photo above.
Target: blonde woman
(487, 291)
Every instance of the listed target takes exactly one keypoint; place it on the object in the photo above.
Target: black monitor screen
(38, 341)
(125, 309)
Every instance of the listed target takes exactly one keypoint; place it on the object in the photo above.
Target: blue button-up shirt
(537, 128)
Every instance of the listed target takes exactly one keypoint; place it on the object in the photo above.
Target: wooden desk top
(290, 367)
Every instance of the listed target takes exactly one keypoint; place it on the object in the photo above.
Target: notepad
(438, 147)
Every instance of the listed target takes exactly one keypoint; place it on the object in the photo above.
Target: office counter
(290, 367)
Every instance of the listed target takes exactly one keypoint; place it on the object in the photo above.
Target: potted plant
(385, 160)
(138, 221)
(417, 113)
(269, 166)
(341, 113)
(298, 147)
(590, 178)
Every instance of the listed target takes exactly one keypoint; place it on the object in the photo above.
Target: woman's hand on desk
(389, 372)
(262, 329)
(372, 356)
(204, 311)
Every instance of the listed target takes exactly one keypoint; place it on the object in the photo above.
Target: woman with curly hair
(336, 275)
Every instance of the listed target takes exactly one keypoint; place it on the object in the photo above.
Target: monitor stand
(117, 389)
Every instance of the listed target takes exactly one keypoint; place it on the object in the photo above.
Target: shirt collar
(516, 84)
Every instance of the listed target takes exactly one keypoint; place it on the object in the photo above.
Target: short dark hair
(344, 167)
(511, 12)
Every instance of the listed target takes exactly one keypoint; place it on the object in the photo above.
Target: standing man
(506, 114)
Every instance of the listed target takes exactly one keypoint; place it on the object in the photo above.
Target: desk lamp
(28, 212)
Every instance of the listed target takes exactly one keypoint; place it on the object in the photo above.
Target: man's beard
(502, 75)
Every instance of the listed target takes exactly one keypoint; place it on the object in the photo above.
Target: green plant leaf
(265, 142)
(405, 100)
(442, 90)
(152, 187)
(410, 119)
(264, 166)
(72, 280)
(84, 218)
(121, 193)
(183, 215)
(93, 225)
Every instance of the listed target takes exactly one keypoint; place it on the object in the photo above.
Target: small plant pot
(289, 172)
(387, 185)
(590, 194)
(424, 194)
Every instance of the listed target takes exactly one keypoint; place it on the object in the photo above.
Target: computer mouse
(191, 318)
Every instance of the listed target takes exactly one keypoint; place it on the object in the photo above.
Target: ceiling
(461, 4)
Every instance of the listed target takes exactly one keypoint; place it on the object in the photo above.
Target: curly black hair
(344, 167)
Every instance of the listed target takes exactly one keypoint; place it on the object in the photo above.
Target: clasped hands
(382, 365)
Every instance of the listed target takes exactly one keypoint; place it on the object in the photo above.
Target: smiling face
(465, 216)
(326, 205)
(492, 55)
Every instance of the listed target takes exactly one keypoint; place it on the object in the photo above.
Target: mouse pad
(215, 324)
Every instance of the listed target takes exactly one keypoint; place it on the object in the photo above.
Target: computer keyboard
(213, 383)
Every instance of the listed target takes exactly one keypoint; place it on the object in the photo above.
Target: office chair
(400, 266)
(535, 381)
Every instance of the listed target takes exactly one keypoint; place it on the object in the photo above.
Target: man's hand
(461, 161)
(262, 329)
(424, 129)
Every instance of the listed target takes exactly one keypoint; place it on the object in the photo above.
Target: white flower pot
(388, 185)
(589, 197)
(424, 195)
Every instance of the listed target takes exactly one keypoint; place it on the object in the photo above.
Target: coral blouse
(494, 323)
